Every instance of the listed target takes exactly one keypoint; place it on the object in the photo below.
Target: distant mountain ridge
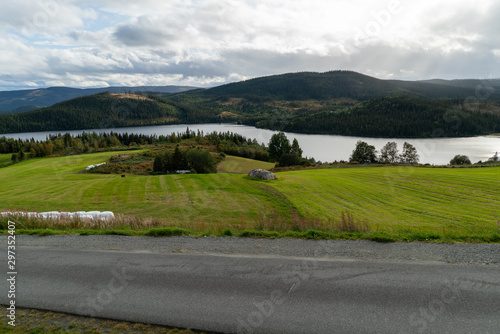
(336, 102)
(341, 84)
(23, 100)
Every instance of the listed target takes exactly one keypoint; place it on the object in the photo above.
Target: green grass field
(5, 160)
(389, 199)
(237, 165)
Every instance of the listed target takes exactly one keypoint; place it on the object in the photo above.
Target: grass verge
(29, 321)
(271, 225)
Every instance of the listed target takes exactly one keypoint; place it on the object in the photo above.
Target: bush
(201, 161)
(289, 159)
(227, 232)
(460, 160)
(166, 232)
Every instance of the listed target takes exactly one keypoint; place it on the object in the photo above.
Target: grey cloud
(204, 44)
(143, 33)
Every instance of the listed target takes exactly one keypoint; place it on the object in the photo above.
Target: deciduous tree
(409, 155)
(364, 153)
(389, 153)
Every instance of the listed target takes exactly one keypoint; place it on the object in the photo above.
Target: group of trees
(388, 154)
(237, 145)
(195, 160)
(202, 161)
(464, 160)
(66, 144)
(284, 153)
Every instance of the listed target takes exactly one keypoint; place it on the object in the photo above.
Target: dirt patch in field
(131, 96)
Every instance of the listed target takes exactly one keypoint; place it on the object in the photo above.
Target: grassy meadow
(389, 200)
(237, 165)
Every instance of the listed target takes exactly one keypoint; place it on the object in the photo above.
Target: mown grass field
(389, 199)
(5, 160)
(237, 165)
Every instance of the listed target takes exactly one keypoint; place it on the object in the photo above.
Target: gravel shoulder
(484, 254)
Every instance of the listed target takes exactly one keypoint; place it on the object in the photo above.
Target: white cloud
(206, 42)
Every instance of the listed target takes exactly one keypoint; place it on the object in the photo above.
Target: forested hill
(402, 117)
(20, 100)
(305, 86)
(105, 110)
(345, 84)
(340, 102)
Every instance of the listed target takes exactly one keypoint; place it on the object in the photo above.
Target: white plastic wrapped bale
(94, 166)
(97, 215)
(94, 215)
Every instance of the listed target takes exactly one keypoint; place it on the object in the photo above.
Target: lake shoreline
(322, 147)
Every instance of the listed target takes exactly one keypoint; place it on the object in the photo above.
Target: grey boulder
(262, 174)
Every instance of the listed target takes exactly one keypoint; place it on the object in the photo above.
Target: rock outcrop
(262, 174)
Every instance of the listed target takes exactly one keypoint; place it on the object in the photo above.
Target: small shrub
(460, 160)
(117, 232)
(227, 232)
(381, 238)
(167, 232)
(258, 234)
(424, 236)
(315, 234)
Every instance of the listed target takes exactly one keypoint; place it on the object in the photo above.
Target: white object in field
(94, 166)
(97, 215)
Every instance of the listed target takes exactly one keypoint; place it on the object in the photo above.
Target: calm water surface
(436, 151)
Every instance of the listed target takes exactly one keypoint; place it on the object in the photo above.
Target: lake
(438, 151)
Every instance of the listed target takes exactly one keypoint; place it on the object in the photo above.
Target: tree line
(363, 152)
(194, 160)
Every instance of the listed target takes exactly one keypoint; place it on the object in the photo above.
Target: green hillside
(441, 201)
(305, 86)
(344, 84)
(105, 110)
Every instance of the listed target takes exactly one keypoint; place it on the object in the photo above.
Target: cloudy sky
(99, 43)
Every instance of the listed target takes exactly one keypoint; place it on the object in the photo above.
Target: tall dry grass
(24, 221)
(272, 220)
(268, 220)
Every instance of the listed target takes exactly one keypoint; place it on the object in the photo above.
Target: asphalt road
(257, 293)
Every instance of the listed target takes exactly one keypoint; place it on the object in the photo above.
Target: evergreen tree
(179, 161)
(296, 148)
(158, 165)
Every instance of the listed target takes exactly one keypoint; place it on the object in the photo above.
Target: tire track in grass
(132, 182)
(408, 200)
(438, 201)
(156, 201)
(164, 195)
